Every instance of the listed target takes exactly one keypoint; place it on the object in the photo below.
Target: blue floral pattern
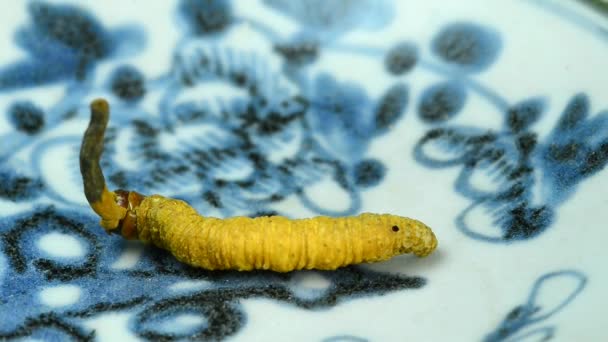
(279, 128)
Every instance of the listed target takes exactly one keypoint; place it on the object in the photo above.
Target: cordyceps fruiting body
(242, 243)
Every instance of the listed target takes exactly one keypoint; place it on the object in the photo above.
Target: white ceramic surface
(487, 120)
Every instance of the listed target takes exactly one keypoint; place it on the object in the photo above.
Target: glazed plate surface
(488, 121)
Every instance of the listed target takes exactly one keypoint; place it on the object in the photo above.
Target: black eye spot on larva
(395, 228)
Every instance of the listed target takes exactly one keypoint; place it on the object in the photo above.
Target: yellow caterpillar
(242, 243)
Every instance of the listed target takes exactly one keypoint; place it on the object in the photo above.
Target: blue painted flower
(575, 149)
(504, 157)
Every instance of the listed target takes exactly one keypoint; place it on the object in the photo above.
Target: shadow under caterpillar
(241, 243)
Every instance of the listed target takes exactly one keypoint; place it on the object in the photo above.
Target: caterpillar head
(410, 236)
(396, 235)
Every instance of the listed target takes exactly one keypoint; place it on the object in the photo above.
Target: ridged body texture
(277, 243)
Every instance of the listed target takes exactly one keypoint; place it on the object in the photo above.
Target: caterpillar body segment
(242, 243)
(277, 243)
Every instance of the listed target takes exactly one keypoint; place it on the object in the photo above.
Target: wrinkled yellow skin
(277, 243)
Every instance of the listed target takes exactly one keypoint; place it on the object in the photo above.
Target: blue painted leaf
(62, 41)
(596, 159)
(71, 26)
(401, 58)
(33, 72)
(576, 148)
(522, 115)
(40, 46)
(576, 111)
(441, 102)
(391, 106)
(206, 16)
(26, 117)
(526, 143)
(369, 172)
(128, 83)
(524, 221)
(16, 187)
(469, 46)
